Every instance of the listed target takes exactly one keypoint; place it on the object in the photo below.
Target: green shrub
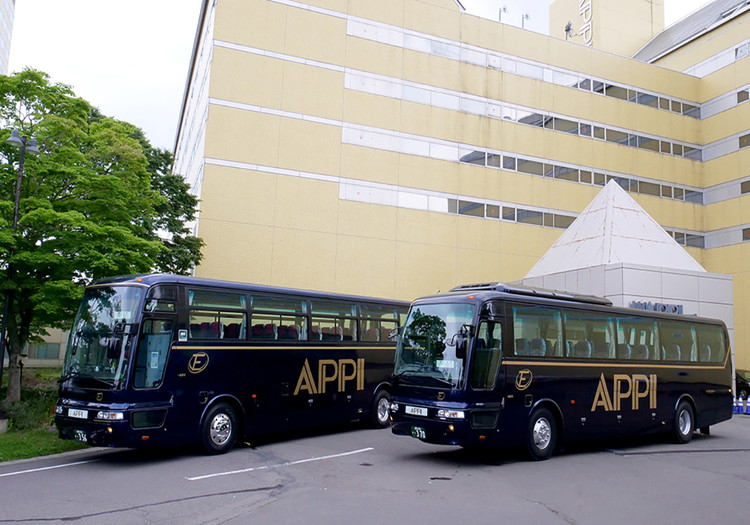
(33, 411)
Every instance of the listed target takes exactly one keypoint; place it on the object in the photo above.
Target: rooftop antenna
(524, 17)
(569, 30)
(502, 10)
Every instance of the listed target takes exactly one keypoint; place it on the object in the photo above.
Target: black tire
(381, 410)
(541, 435)
(219, 429)
(684, 423)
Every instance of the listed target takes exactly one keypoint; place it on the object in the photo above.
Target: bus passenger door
(486, 377)
(151, 354)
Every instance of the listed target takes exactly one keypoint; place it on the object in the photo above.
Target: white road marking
(288, 463)
(45, 468)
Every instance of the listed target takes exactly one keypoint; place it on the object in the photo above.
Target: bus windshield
(426, 353)
(97, 353)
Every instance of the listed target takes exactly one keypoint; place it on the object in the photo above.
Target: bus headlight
(450, 414)
(110, 415)
(58, 409)
(394, 407)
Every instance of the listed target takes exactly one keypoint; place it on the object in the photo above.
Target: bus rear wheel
(541, 437)
(684, 423)
(381, 406)
(219, 429)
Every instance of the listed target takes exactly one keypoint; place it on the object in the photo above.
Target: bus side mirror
(461, 340)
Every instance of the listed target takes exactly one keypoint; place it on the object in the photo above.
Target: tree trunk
(14, 376)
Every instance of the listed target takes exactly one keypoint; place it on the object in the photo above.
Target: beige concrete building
(400, 147)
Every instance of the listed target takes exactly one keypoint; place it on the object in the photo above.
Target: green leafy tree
(97, 201)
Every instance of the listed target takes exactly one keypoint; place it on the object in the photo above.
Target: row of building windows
(543, 169)
(482, 57)
(509, 213)
(458, 101)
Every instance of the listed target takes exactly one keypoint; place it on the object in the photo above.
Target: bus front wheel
(541, 437)
(219, 429)
(684, 423)
(381, 406)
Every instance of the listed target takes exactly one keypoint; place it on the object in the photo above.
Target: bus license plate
(80, 435)
(80, 414)
(418, 432)
(416, 411)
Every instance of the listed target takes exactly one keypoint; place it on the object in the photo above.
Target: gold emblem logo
(441, 396)
(198, 363)
(99, 396)
(523, 379)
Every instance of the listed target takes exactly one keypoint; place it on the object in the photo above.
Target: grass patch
(31, 431)
(21, 444)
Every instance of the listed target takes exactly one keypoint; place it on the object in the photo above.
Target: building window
(745, 141)
(746, 234)
(743, 96)
(745, 187)
(43, 351)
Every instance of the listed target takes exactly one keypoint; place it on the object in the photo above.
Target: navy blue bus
(499, 365)
(165, 360)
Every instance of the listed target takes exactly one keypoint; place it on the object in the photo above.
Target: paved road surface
(366, 476)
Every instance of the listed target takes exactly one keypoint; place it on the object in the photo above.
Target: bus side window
(153, 347)
(485, 360)
(537, 331)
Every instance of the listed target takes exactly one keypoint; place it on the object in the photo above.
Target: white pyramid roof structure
(614, 229)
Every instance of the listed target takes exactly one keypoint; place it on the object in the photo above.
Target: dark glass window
(493, 211)
(475, 209)
(530, 217)
(509, 214)
(537, 331)
(509, 163)
(563, 221)
(648, 143)
(215, 299)
(744, 141)
(648, 188)
(485, 360)
(742, 96)
(616, 92)
(531, 167)
(648, 100)
(745, 187)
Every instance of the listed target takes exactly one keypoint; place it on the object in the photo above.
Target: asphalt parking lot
(363, 476)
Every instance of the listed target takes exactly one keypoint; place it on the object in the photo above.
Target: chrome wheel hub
(221, 429)
(542, 433)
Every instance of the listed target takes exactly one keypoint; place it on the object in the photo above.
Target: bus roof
(165, 278)
(479, 293)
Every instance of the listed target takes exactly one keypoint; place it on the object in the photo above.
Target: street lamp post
(24, 144)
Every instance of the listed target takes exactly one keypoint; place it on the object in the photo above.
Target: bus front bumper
(112, 426)
(468, 428)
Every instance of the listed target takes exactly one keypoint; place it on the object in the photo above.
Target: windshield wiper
(108, 382)
(67, 376)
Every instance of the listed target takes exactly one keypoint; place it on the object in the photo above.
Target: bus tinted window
(333, 308)
(332, 329)
(278, 304)
(486, 358)
(677, 341)
(378, 312)
(537, 331)
(637, 338)
(269, 326)
(589, 334)
(206, 324)
(711, 343)
(377, 322)
(215, 299)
